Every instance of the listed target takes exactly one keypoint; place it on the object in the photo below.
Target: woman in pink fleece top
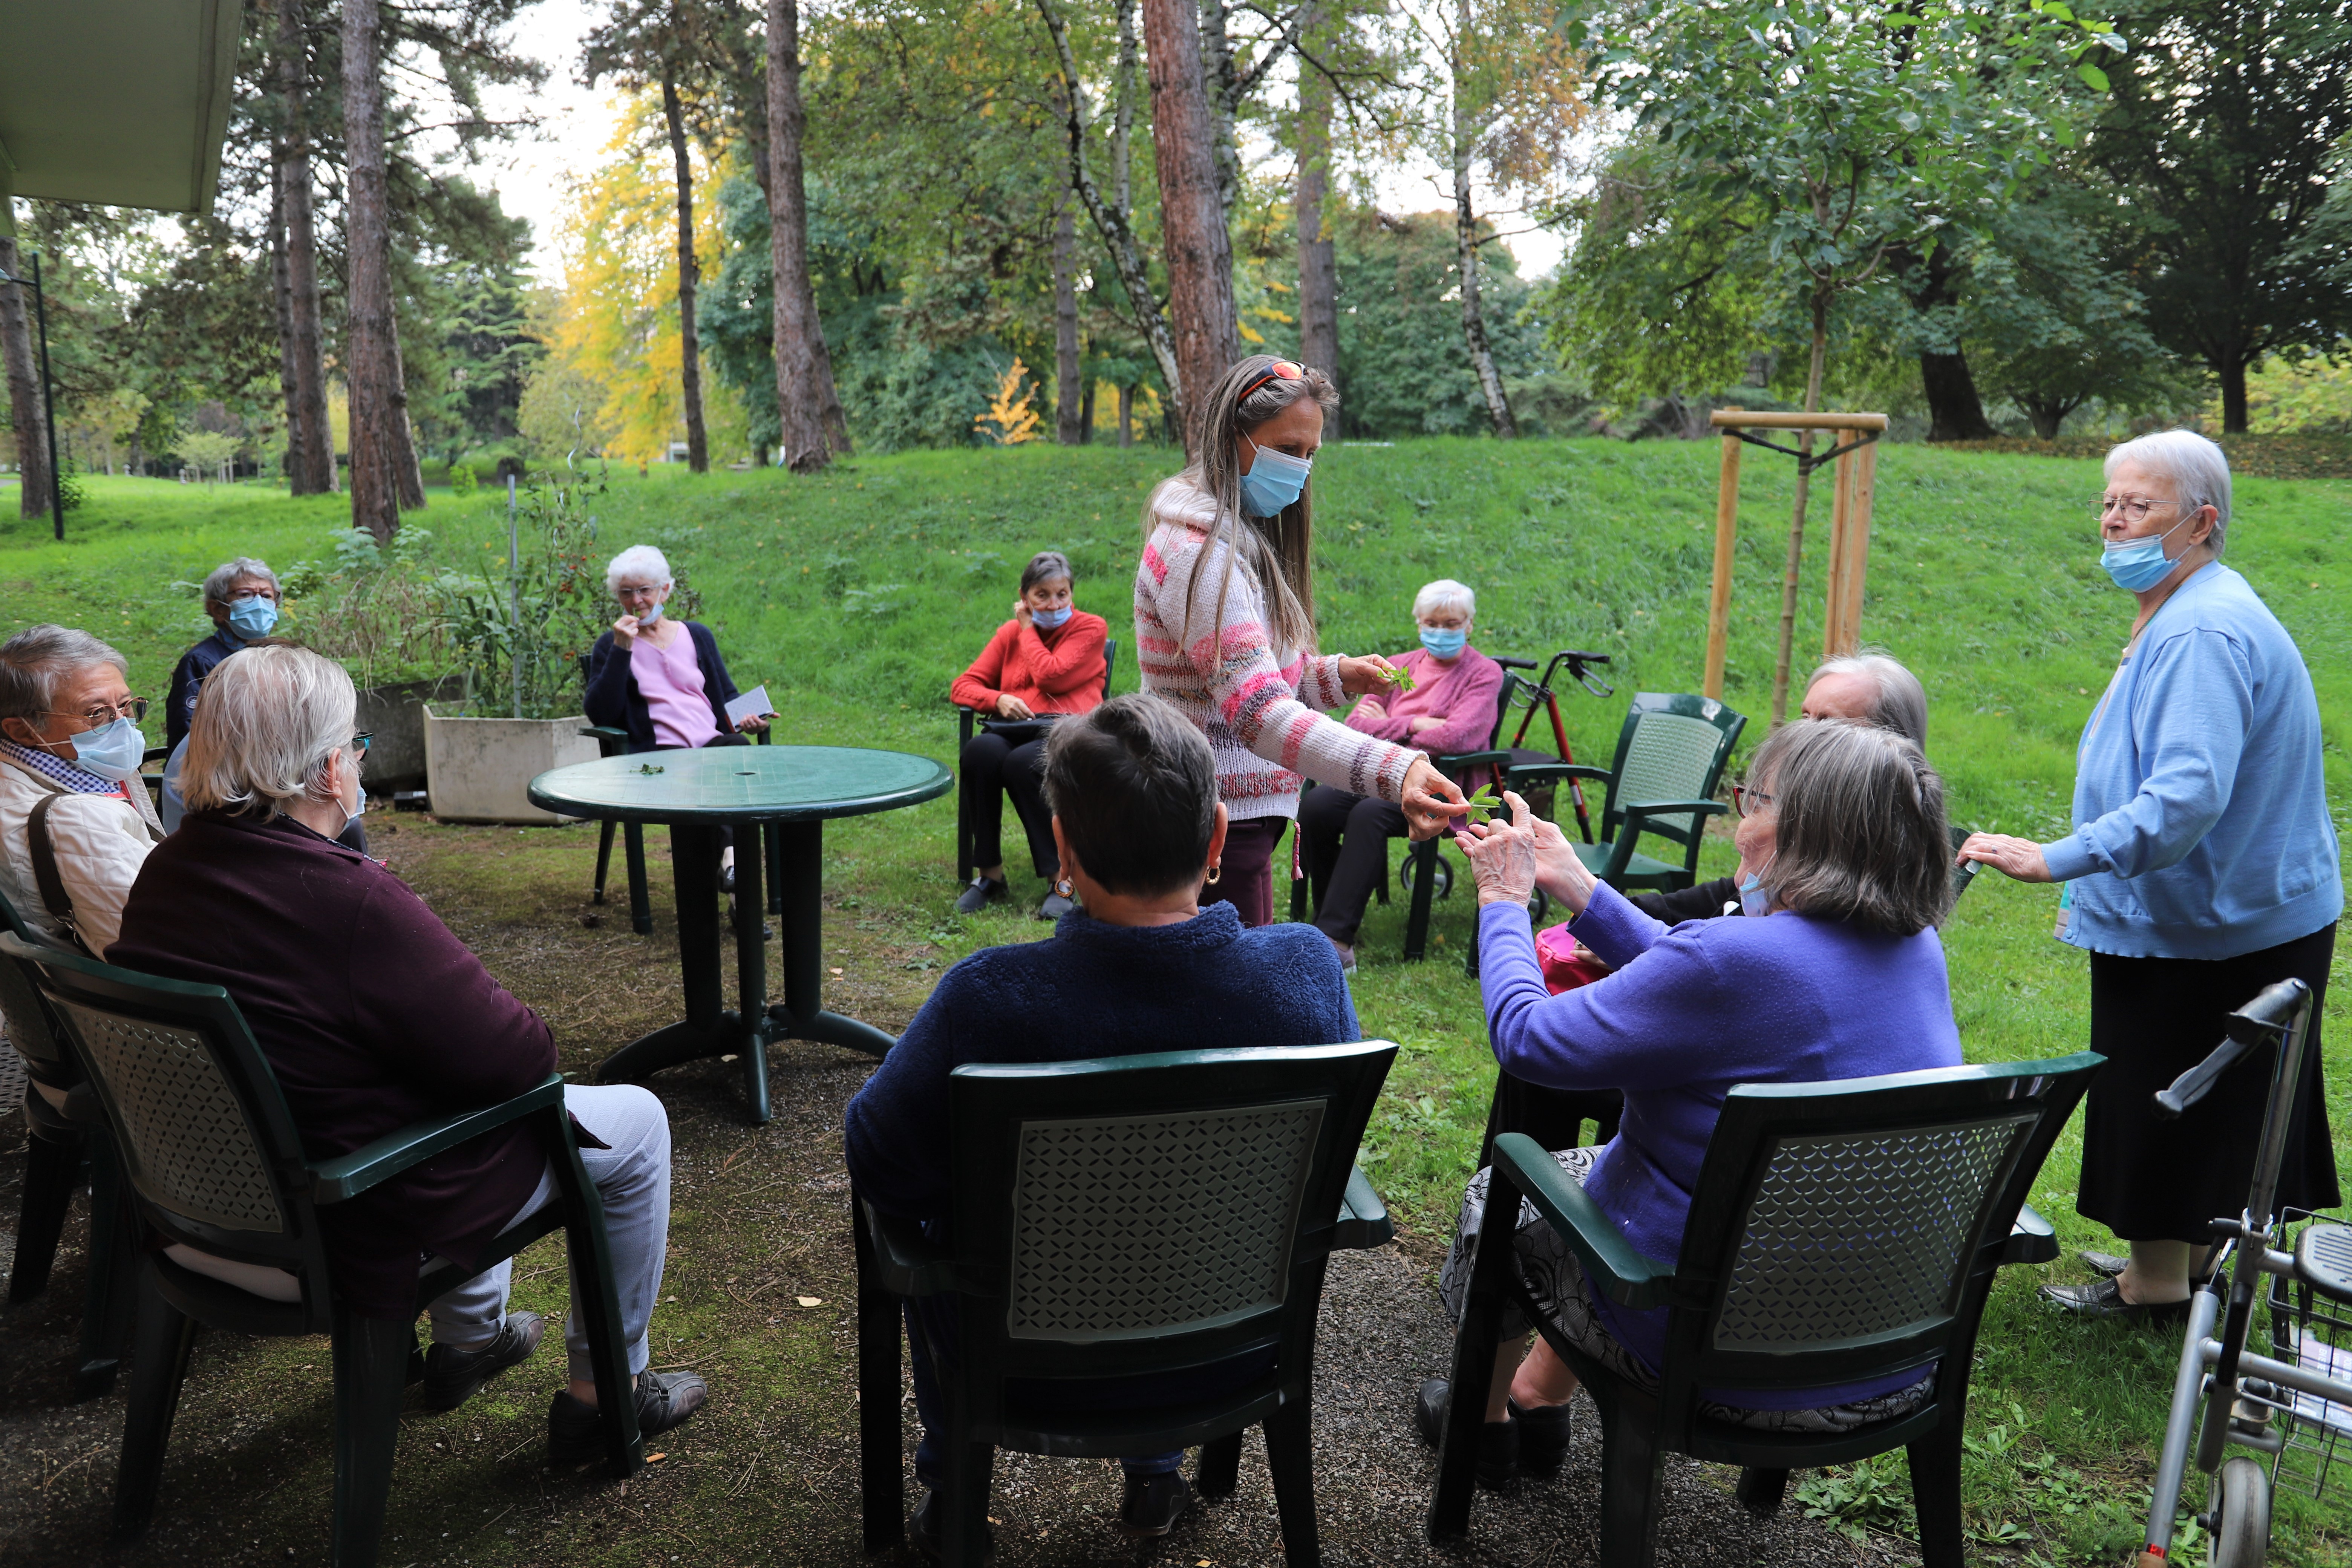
(1343, 837)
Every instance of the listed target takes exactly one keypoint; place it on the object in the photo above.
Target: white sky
(530, 175)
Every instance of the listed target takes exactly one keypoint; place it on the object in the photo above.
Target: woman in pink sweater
(1343, 837)
(1224, 627)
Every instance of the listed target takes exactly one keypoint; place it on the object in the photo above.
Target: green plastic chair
(1670, 758)
(212, 1160)
(1114, 1218)
(1840, 1232)
(967, 720)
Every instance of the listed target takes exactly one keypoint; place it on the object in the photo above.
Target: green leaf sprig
(1398, 677)
(651, 768)
(1484, 806)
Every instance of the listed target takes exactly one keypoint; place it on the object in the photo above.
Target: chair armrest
(910, 1263)
(1363, 1219)
(1634, 812)
(606, 732)
(1456, 761)
(2031, 1239)
(348, 1175)
(1545, 772)
(1621, 1274)
(155, 754)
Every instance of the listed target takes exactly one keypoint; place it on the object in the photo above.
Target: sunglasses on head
(1280, 370)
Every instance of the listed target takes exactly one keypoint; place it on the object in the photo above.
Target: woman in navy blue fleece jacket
(1141, 966)
(1842, 845)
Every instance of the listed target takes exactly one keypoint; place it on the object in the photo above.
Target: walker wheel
(1440, 886)
(2241, 1515)
(2322, 1259)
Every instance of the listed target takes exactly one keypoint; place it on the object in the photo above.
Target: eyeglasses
(1280, 370)
(131, 708)
(1744, 798)
(2131, 509)
(362, 740)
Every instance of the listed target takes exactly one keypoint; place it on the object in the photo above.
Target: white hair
(2198, 470)
(264, 727)
(36, 659)
(1900, 702)
(1444, 593)
(639, 561)
(220, 583)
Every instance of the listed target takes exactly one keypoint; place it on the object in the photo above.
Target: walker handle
(2197, 1081)
(2270, 1014)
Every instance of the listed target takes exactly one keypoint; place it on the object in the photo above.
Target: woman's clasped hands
(1511, 860)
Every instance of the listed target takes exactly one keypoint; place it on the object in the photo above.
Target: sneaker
(923, 1528)
(1055, 907)
(1498, 1441)
(575, 1431)
(983, 891)
(1543, 1437)
(1153, 1504)
(451, 1375)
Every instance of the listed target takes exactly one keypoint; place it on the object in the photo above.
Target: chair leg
(371, 1377)
(641, 904)
(50, 1166)
(1424, 889)
(1475, 1344)
(1219, 1471)
(604, 858)
(1760, 1490)
(1631, 1465)
(1290, 1455)
(590, 1253)
(963, 1511)
(881, 1470)
(159, 1364)
(113, 1275)
(1935, 1494)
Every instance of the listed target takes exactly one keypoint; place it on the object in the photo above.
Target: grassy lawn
(1984, 578)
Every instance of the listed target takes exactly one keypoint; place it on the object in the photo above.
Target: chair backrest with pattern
(32, 1031)
(1130, 1214)
(1110, 663)
(201, 1128)
(1843, 1231)
(1673, 747)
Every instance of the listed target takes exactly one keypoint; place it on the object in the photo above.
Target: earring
(1214, 872)
(1066, 888)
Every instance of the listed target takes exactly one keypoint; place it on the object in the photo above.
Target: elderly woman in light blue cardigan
(2204, 866)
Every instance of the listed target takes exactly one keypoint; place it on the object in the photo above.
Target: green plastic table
(697, 793)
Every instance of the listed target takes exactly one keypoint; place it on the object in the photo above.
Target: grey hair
(1047, 566)
(637, 561)
(2198, 468)
(221, 582)
(1901, 703)
(1859, 829)
(34, 660)
(265, 725)
(1444, 593)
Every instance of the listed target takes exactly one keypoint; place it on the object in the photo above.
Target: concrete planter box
(396, 716)
(477, 770)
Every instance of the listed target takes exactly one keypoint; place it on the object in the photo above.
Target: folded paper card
(753, 704)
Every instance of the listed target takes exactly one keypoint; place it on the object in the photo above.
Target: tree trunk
(1954, 412)
(1069, 387)
(808, 409)
(1465, 237)
(1126, 416)
(2232, 372)
(2048, 416)
(1217, 72)
(23, 376)
(1797, 510)
(369, 369)
(1192, 220)
(689, 352)
(1086, 416)
(407, 468)
(1319, 274)
(280, 304)
(309, 438)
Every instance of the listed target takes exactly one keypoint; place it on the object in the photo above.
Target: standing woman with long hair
(1225, 628)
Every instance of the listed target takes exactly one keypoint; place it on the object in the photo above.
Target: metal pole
(514, 592)
(48, 401)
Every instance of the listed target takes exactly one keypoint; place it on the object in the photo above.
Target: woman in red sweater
(1045, 661)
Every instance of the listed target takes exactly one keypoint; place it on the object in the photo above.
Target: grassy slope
(1983, 578)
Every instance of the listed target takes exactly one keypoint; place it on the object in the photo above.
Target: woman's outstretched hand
(1430, 802)
(1502, 856)
(1556, 867)
(1363, 677)
(2018, 857)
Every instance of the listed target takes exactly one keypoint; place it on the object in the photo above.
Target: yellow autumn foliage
(1012, 417)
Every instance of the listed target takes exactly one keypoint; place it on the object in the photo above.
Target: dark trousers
(2155, 1018)
(990, 769)
(1702, 902)
(1246, 875)
(1343, 846)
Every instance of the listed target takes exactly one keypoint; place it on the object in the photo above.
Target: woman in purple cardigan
(1343, 837)
(1842, 844)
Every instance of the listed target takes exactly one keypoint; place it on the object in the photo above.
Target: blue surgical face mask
(1445, 643)
(650, 616)
(1046, 620)
(252, 617)
(1755, 898)
(111, 751)
(1275, 480)
(2140, 564)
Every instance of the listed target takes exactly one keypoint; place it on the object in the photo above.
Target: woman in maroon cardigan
(374, 1016)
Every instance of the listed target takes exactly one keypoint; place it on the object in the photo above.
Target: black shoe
(575, 1431)
(2108, 1264)
(727, 878)
(1055, 907)
(983, 891)
(923, 1528)
(1543, 1437)
(451, 1376)
(1498, 1441)
(1153, 1504)
(735, 913)
(2104, 1298)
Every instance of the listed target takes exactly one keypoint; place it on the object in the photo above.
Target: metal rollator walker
(2296, 1401)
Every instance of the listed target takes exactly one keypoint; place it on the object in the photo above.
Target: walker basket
(2311, 1326)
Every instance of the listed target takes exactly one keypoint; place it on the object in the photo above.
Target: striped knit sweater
(1256, 705)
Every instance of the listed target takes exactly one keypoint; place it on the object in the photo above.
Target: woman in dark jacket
(666, 673)
(374, 1016)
